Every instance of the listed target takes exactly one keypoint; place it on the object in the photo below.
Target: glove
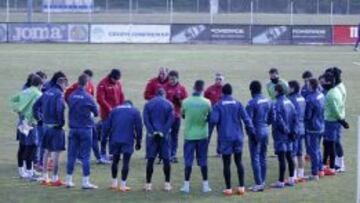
(176, 99)
(40, 123)
(253, 139)
(292, 136)
(344, 123)
(59, 127)
(138, 145)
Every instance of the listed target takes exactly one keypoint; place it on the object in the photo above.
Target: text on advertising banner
(130, 34)
(43, 32)
(210, 34)
(312, 34)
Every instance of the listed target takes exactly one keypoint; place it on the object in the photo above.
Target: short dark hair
(295, 85)
(314, 83)
(29, 79)
(88, 72)
(174, 73)
(56, 77)
(160, 91)
(273, 71)
(41, 74)
(36, 81)
(307, 74)
(128, 102)
(329, 77)
(199, 85)
(83, 79)
(227, 89)
(255, 87)
(280, 89)
(337, 74)
(115, 74)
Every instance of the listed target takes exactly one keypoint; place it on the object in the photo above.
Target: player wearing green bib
(276, 80)
(195, 111)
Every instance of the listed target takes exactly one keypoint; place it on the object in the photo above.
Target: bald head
(163, 73)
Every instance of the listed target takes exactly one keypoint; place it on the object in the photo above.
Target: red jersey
(152, 86)
(109, 95)
(176, 94)
(213, 93)
(90, 88)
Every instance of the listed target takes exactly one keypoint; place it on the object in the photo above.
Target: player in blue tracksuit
(124, 127)
(158, 117)
(306, 76)
(39, 127)
(229, 115)
(284, 130)
(299, 103)
(314, 125)
(82, 109)
(50, 110)
(259, 111)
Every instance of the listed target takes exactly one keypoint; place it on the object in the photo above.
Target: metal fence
(190, 11)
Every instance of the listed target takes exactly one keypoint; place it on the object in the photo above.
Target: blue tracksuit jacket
(314, 112)
(81, 107)
(50, 107)
(158, 116)
(299, 103)
(305, 91)
(124, 125)
(284, 121)
(259, 110)
(228, 115)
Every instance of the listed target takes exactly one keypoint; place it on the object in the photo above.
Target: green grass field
(240, 64)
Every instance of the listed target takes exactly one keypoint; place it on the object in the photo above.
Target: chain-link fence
(187, 11)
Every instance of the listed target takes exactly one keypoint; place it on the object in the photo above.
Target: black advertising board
(312, 34)
(196, 33)
(265, 34)
(229, 34)
(210, 34)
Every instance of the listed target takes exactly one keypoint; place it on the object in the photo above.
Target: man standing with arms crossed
(175, 93)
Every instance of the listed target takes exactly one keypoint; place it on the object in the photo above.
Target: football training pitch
(240, 65)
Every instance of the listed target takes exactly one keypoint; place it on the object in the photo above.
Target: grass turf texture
(240, 64)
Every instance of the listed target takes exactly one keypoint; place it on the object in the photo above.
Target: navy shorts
(153, 149)
(298, 145)
(332, 131)
(283, 146)
(121, 148)
(197, 147)
(230, 147)
(54, 139)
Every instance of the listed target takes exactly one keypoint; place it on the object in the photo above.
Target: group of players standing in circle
(297, 115)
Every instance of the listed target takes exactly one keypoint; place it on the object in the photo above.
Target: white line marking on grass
(356, 63)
